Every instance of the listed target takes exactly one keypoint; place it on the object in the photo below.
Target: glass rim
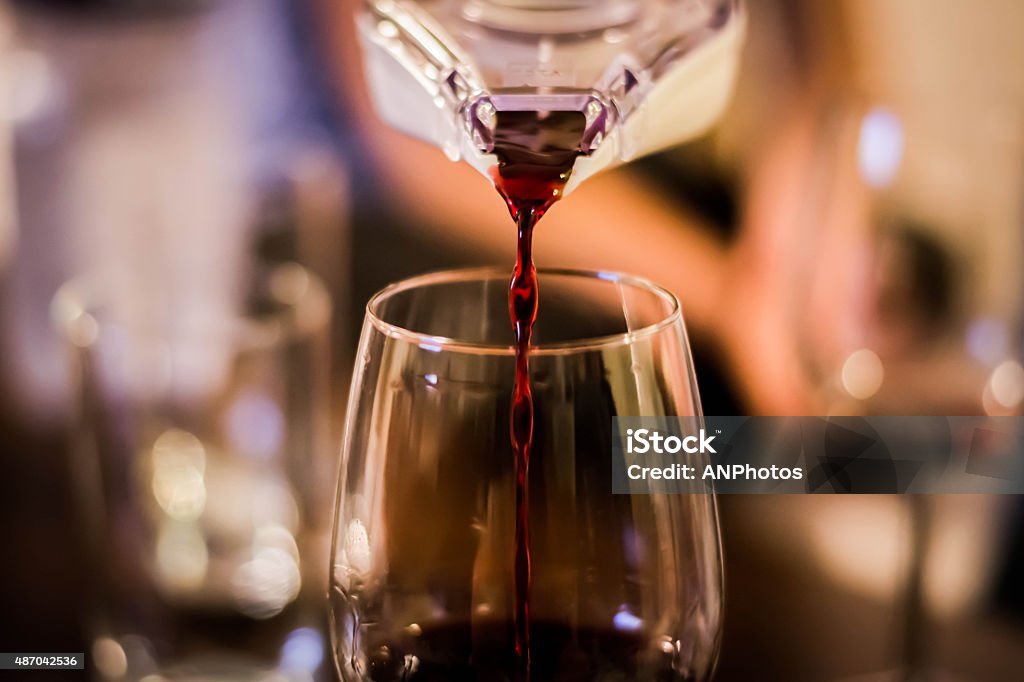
(303, 297)
(448, 344)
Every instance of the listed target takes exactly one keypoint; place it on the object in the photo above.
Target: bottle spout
(528, 130)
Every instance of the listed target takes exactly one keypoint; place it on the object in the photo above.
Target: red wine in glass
(536, 152)
(480, 652)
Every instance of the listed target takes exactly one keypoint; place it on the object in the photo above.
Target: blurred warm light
(255, 425)
(1003, 393)
(179, 461)
(181, 556)
(862, 374)
(955, 576)
(270, 580)
(1007, 383)
(861, 542)
(880, 147)
(109, 658)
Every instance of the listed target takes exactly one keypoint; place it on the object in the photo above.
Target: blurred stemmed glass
(624, 587)
(906, 294)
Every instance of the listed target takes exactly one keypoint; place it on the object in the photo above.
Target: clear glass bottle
(645, 74)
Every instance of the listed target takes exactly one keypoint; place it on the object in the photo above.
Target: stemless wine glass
(624, 587)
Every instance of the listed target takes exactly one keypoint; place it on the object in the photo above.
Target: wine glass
(624, 587)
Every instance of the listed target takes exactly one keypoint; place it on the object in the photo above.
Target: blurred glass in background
(166, 156)
(155, 143)
(200, 472)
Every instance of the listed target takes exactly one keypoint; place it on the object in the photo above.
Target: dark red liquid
(536, 154)
(481, 652)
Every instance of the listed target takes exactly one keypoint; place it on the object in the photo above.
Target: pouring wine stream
(536, 152)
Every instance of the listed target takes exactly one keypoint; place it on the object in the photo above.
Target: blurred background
(848, 240)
